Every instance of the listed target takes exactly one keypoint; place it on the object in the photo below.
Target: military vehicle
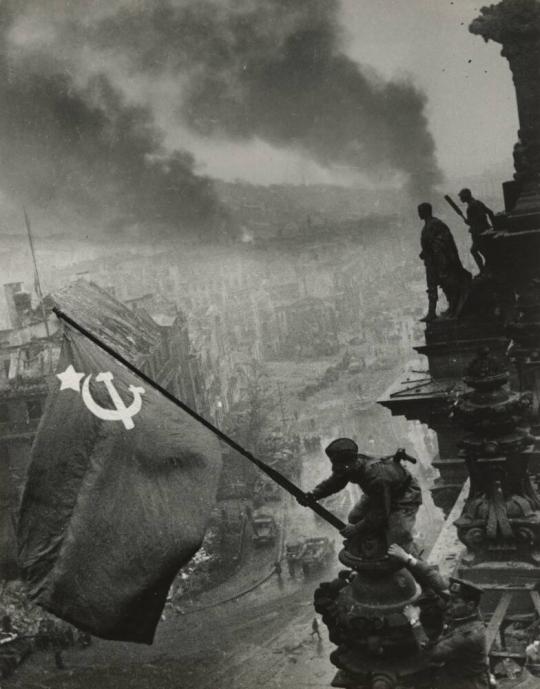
(317, 553)
(264, 529)
(293, 556)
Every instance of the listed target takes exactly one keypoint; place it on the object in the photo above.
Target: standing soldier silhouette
(479, 219)
(443, 265)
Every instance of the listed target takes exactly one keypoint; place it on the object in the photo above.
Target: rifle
(402, 456)
(454, 205)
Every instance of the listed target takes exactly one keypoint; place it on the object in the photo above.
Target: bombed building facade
(160, 343)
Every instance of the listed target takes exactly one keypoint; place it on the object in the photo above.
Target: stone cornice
(508, 21)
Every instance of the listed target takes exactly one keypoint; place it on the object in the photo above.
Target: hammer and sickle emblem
(121, 412)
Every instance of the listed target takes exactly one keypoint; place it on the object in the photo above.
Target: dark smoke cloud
(76, 134)
(275, 69)
(80, 152)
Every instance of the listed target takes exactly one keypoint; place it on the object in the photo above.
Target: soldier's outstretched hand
(349, 531)
(412, 613)
(398, 552)
(305, 499)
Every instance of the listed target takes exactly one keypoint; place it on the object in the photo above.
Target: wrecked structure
(160, 344)
(481, 391)
(480, 395)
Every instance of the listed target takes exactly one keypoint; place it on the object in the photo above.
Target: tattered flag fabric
(119, 490)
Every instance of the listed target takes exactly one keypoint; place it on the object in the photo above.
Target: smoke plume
(86, 84)
(81, 154)
(275, 69)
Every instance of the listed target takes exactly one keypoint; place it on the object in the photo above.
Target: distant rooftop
(130, 333)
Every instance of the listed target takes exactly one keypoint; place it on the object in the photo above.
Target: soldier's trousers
(432, 284)
(399, 525)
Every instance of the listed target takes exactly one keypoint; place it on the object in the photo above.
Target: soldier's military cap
(341, 449)
(466, 590)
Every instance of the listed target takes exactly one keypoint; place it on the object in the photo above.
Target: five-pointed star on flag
(70, 379)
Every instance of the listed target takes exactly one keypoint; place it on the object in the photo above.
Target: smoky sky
(84, 154)
(74, 132)
(275, 69)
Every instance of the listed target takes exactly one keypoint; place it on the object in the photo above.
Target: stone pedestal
(525, 351)
(500, 521)
(363, 610)
(450, 345)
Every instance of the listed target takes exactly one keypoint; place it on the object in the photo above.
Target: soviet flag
(119, 490)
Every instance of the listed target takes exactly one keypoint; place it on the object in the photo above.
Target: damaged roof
(130, 333)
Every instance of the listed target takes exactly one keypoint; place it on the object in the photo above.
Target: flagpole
(276, 476)
(37, 284)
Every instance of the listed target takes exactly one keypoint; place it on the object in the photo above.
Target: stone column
(363, 610)
(500, 522)
(525, 349)
(515, 24)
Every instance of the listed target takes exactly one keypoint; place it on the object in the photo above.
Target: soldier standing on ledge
(443, 265)
(478, 222)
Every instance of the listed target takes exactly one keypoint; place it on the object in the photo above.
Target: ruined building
(480, 394)
(29, 354)
(481, 391)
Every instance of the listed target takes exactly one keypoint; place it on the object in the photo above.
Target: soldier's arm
(425, 253)
(447, 648)
(420, 637)
(329, 486)
(490, 213)
(428, 576)
(412, 613)
(450, 239)
(387, 498)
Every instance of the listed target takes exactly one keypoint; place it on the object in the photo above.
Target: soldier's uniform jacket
(439, 250)
(461, 649)
(477, 217)
(384, 480)
(462, 652)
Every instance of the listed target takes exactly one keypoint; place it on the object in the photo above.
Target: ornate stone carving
(363, 609)
(500, 518)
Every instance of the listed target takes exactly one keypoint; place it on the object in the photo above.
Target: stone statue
(391, 495)
(443, 266)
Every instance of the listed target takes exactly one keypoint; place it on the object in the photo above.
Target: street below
(255, 628)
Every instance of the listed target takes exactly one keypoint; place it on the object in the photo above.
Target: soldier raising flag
(122, 481)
